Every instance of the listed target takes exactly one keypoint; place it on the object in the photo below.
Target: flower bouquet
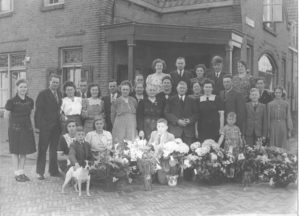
(281, 168)
(170, 156)
(209, 162)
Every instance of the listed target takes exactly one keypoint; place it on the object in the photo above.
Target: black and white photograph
(149, 107)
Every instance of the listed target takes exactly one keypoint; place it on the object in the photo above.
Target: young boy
(80, 150)
(256, 119)
(161, 135)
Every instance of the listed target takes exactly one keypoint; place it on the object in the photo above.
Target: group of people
(191, 105)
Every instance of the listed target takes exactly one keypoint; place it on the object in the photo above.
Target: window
(283, 65)
(250, 58)
(53, 2)
(6, 6)
(272, 13)
(12, 68)
(72, 69)
(293, 34)
(267, 69)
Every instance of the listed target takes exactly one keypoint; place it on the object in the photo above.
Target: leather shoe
(25, 177)
(19, 178)
(41, 177)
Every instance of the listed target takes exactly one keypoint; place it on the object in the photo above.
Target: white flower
(125, 161)
(115, 179)
(241, 156)
(271, 183)
(213, 157)
(158, 167)
(202, 151)
(208, 143)
(183, 148)
(187, 163)
(195, 145)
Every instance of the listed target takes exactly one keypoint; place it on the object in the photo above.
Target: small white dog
(80, 175)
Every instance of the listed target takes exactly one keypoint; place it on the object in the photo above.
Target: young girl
(20, 132)
(232, 135)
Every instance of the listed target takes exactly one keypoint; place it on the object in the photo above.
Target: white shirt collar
(210, 98)
(181, 96)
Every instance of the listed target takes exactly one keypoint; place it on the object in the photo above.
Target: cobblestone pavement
(44, 198)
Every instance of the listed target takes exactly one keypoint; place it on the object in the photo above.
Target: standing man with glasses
(47, 120)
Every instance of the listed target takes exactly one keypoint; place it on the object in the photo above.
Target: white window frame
(11, 9)
(47, 2)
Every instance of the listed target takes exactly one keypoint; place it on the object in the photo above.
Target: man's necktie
(207, 98)
(56, 96)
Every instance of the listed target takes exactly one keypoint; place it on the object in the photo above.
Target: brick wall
(42, 33)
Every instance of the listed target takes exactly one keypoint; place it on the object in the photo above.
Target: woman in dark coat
(148, 112)
(211, 114)
(20, 131)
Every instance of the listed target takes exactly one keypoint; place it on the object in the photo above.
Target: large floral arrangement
(211, 164)
(170, 156)
(281, 167)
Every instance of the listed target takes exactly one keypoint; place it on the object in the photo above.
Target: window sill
(6, 14)
(52, 7)
(270, 31)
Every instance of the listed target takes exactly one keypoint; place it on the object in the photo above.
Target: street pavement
(45, 198)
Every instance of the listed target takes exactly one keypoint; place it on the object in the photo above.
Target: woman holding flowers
(123, 115)
(211, 113)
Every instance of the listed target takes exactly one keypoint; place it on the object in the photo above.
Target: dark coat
(174, 111)
(187, 76)
(78, 153)
(265, 97)
(235, 102)
(256, 120)
(218, 87)
(47, 113)
(107, 111)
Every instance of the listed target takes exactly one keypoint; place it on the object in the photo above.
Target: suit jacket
(78, 153)
(256, 120)
(47, 112)
(265, 97)
(175, 110)
(166, 137)
(187, 76)
(107, 111)
(218, 87)
(235, 102)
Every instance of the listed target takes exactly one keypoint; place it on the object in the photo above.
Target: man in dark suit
(47, 120)
(217, 74)
(233, 102)
(181, 74)
(83, 89)
(181, 113)
(113, 95)
(256, 119)
(264, 95)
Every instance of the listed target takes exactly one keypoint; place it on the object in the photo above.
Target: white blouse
(71, 107)
(99, 142)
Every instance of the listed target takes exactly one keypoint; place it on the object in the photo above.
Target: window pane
(4, 60)
(4, 93)
(277, 13)
(5, 5)
(267, 17)
(278, 2)
(17, 59)
(72, 56)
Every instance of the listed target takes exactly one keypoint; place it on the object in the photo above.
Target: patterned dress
(279, 122)
(233, 141)
(123, 118)
(20, 131)
(91, 108)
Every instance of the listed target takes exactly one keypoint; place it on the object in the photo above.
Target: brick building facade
(103, 39)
